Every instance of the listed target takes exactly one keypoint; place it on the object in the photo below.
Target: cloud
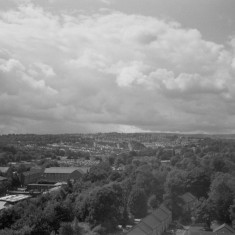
(111, 72)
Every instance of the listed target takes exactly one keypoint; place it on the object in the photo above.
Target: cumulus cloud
(110, 72)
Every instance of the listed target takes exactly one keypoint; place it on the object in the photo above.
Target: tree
(144, 178)
(137, 203)
(176, 182)
(205, 211)
(218, 205)
(198, 182)
(66, 229)
(221, 195)
(153, 202)
(102, 206)
(232, 213)
(115, 176)
(99, 172)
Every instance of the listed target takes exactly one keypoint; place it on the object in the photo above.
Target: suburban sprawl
(117, 183)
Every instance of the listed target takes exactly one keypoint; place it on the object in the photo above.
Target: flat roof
(14, 198)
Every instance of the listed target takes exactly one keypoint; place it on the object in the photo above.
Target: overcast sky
(70, 66)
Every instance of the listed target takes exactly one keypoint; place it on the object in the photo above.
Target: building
(168, 212)
(30, 177)
(60, 174)
(189, 201)
(43, 187)
(224, 229)
(6, 171)
(10, 200)
(155, 223)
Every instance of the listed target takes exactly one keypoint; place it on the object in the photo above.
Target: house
(137, 231)
(189, 201)
(168, 212)
(224, 229)
(32, 176)
(6, 171)
(155, 223)
(59, 174)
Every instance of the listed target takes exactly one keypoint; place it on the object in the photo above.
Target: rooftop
(4, 169)
(65, 170)
(152, 221)
(188, 197)
(2, 205)
(224, 226)
(14, 198)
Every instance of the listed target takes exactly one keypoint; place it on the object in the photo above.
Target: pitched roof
(148, 224)
(152, 221)
(62, 170)
(136, 231)
(4, 169)
(197, 230)
(188, 197)
(230, 229)
(160, 214)
(2, 205)
(200, 233)
(165, 209)
(144, 227)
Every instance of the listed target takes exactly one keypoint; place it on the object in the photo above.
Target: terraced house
(155, 223)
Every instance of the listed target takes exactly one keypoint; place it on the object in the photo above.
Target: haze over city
(70, 66)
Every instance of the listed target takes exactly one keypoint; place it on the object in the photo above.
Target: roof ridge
(226, 226)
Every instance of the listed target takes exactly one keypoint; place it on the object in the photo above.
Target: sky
(83, 66)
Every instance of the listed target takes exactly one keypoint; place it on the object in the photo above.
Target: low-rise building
(6, 171)
(10, 200)
(155, 223)
(60, 174)
(224, 229)
(32, 176)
